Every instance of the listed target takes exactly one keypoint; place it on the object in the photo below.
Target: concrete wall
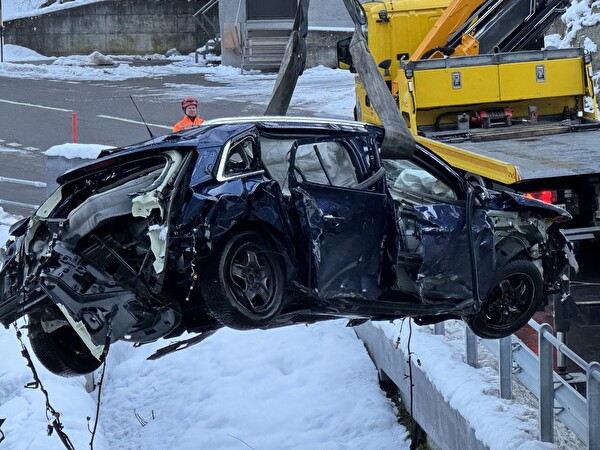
(328, 22)
(329, 14)
(113, 27)
(321, 47)
(448, 429)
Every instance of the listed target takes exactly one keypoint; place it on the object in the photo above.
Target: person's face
(191, 111)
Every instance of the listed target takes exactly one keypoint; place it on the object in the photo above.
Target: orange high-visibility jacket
(186, 124)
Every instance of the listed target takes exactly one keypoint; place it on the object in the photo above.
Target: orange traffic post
(74, 128)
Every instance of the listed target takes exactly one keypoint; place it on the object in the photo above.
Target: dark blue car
(265, 222)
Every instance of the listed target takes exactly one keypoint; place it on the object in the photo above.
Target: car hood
(511, 201)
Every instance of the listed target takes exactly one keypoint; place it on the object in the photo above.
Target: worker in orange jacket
(191, 119)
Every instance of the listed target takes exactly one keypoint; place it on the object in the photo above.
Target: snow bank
(70, 151)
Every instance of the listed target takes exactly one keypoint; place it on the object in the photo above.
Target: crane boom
(473, 27)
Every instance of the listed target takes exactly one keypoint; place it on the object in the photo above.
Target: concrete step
(264, 49)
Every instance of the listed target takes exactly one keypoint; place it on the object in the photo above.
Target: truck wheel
(513, 299)
(62, 351)
(244, 282)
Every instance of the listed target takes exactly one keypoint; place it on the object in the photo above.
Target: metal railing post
(546, 385)
(561, 359)
(505, 360)
(593, 405)
(471, 343)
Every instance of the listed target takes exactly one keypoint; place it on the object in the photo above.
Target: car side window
(241, 158)
(405, 177)
(325, 163)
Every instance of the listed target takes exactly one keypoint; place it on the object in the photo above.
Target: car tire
(244, 283)
(62, 351)
(515, 295)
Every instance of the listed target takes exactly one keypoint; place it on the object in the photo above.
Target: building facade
(254, 32)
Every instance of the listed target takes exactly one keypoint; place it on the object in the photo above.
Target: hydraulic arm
(470, 27)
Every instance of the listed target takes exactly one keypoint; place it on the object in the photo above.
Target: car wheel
(244, 282)
(62, 351)
(513, 299)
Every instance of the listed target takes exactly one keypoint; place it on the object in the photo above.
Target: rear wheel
(244, 282)
(513, 299)
(61, 351)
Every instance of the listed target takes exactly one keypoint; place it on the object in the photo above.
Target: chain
(194, 275)
(56, 424)
(414, 426)
(101, 381)
(99, 385)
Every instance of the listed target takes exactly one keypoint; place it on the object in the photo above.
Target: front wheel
(244, 282)
(514, 297)
(61, 351)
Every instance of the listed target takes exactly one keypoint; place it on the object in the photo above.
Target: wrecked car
(265, 222)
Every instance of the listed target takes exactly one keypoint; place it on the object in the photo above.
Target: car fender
(261, 209)
(226, 211)
(243, 200)
(511, 201)
(509, 247)
(19, 228)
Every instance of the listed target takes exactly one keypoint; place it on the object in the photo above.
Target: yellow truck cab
(394, 30)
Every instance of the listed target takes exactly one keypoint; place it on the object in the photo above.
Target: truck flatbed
(538, 151)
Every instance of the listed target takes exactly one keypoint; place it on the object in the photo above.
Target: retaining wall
(448, 429)
(113, 27)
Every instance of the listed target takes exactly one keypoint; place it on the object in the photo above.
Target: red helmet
(188, 101)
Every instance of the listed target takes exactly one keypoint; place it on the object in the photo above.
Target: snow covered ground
(301, 387)
(295, 388)
(16, 9)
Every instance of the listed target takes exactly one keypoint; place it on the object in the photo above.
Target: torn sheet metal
(446, 271)
(345, 231)
(511, 201)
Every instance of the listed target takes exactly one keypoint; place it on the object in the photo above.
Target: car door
(442, 247)
(340, 203)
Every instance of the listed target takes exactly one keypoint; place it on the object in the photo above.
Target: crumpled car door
(446, 271)
(341, 222)
(434, 232)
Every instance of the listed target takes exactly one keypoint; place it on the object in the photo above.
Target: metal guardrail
(557, 398)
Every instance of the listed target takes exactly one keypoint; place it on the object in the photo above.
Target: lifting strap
(398, 141)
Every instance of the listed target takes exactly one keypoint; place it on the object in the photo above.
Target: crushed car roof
(282, 124)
